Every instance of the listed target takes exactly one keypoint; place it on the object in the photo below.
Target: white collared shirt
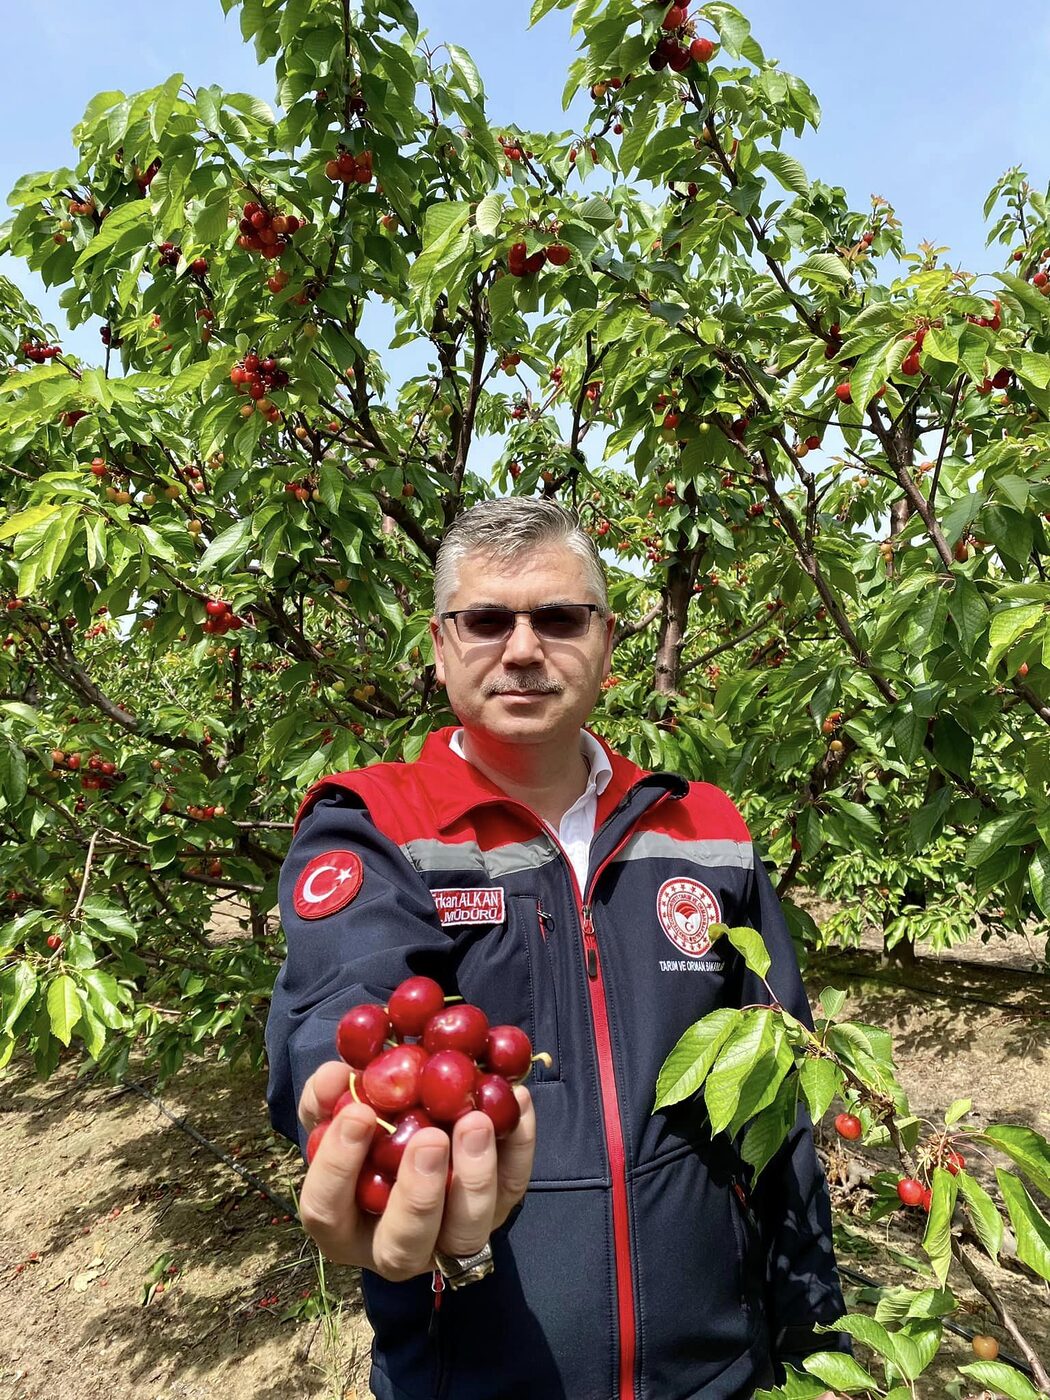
(576, 828)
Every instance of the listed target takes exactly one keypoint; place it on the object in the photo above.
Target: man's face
(526, 689)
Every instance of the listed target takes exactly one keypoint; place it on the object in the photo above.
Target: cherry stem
(357, 1099)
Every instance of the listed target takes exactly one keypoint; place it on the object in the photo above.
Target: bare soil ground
(105, 1200)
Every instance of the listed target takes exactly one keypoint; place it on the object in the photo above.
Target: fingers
(321, 1091)
(471, 1203)
(326, 1203)
(406, 1233)
(516, 1154)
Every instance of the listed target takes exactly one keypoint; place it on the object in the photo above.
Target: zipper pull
(590, 943)
(546, 922)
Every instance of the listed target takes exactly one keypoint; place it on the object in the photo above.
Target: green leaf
(14, 771)
(1001, 1378)
(465, 69)
(750, 1040)
(823, 270)
(688, 1064)
(821, 1081)
(63, 1007)
(26, 519)
(1007, 626)
(840, 1371)
(787, 169)
(897, 1348)
(749, 943)
(16, 991)
(938, 1239)
(1039, 879)
(167, 96)
(1030, 1225)
(228, 547)
(986, 1220)
(488, 214)
(133, 220)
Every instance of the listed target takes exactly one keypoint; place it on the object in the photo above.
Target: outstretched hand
(488, 1180)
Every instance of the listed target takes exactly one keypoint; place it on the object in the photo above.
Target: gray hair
(503, 530)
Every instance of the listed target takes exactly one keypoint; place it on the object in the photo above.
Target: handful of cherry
(420, 1063)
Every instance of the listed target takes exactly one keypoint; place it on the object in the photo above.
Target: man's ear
(610, 624)
(439, 654)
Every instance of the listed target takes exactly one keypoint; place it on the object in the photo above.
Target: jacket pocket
(537, 926)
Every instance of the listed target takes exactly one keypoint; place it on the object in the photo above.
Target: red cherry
(911, 365)
(373, 1192)
(844, 393)
(910, 1191)
(463, 1027)
(495, 1097)
(447, 1085)
(360, 1034)
(313, 1142)
(849, 1127)
(508, 1051)
(813, 442)
(955, 1162)
(215, 607)
(389, 1148)
(392, 1079)
(927, 1200)
(671, 420)
(535, 262)
(413, 1003)
(675, 17)
(558, 254)
(701, 50)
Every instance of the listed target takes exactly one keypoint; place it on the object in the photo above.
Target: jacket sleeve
(790, 1198)
(388, 931)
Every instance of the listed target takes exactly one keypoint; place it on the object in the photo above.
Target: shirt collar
(597, 760)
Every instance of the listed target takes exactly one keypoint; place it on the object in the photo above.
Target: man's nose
(523, 645)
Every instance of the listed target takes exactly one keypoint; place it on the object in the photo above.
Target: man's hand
(488, 1181)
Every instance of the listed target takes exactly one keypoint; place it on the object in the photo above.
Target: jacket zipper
(610, 1100)
(613, 1128)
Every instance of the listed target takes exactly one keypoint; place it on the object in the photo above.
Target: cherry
(463, 1027)
(849, 1127)
(955, 1163)
(813, 442)
(447, 1085)
(558, 254)
(413, 1003)
(215, 607)
(674, 18)
(987, 1348)
(844, 393)
(388, 1148)
(313, 1142)
(392, 1079)
(910, 1191)
(671, 420)
(495, 1097)
(701, 50)
(911, 365)
(927, 1200)
(373, 1191)
(508, 1050)
(361, 1033)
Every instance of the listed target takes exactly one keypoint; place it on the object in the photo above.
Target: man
(629, 1258)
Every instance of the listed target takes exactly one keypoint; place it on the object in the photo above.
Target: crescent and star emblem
(327, 884)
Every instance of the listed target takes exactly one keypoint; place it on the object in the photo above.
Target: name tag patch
(473, 906)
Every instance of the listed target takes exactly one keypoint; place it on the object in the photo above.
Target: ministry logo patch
(686, 910)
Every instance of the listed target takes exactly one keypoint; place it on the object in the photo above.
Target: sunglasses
(557, 622)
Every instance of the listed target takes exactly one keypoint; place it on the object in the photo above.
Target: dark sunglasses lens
(485, 624)
(561, 623)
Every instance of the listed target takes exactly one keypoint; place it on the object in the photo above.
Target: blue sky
(925, 104)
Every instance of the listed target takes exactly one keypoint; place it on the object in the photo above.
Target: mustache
(529, 685)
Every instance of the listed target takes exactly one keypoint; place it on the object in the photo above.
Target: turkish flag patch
(328, 884)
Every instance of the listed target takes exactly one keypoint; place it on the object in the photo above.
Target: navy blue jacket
(641, 1266)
